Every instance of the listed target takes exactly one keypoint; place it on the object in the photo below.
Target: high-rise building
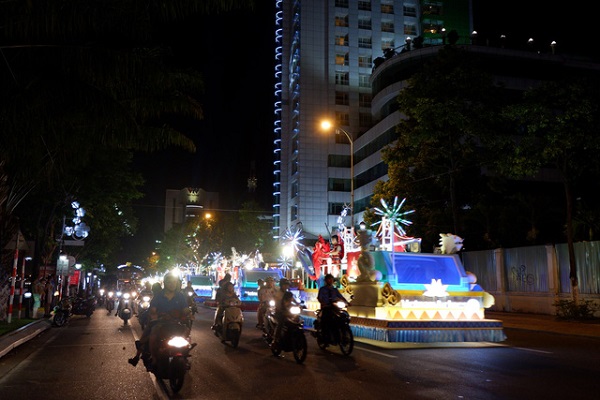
(325, 53)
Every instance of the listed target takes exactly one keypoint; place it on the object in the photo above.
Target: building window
(410, 29)
(342, 78)
(294, 212)
(341, 40)
(410, 11)
(341, 20)
(337, 160)
(432, 26)
(294, 191)
(342, 119)
(387, 7)
(335, 208)
(364, 5)
(342, 59)
(364, 22)
(387, 43)
(387, 26)
(365, 120)
(342, 98)
(338, 185)
(363, 80)
(364, 99)
(432, 8)
(365, 61)
(294, 166)
(364, 42)
(341, 3)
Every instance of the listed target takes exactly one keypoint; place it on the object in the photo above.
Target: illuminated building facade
(325, 52)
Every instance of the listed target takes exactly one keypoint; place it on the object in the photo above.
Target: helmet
(283, 281)
(269, 279)
(170, 277)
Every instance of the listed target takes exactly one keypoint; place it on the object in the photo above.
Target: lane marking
(533, 350)
(375, 352)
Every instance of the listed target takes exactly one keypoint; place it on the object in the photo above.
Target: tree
(449, 111)
(82, 80)
(556, 127)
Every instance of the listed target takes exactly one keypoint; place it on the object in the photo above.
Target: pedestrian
(38, 293)
(49, 290)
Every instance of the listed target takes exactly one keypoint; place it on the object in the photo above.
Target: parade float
(397, 293)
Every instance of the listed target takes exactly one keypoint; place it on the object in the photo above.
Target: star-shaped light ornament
(293, 239)
(394, 215)
(436, 289)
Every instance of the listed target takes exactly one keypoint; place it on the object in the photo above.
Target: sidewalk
(531, 322)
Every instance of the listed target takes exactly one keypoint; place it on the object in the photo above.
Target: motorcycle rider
(282, 306)
(327, 295)
(266, 293)
(227, 296)
(169, 304)
(218, 295)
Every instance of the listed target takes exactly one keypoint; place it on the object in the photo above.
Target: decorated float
(397, 293)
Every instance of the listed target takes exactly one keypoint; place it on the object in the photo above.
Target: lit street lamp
(326, 125)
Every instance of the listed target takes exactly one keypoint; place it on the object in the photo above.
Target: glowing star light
(394, 215)
(292, 239)
(436, 289)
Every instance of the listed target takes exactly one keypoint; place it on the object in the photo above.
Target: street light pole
(327, 125)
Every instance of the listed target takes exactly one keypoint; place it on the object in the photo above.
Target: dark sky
(235, 53)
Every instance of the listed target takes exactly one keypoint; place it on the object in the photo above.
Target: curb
(14, 339)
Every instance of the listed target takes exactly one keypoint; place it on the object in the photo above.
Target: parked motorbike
(339, 333)
(230, 328)
(125, 311)
(174, 351)
(70, 306)
(292, 335)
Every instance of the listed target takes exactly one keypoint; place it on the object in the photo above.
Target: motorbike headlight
(340, 304)
(272, 303)
(110, 294)
(101, 292)
(178, 341)
(133, 294)
(126, 296)
(295, 310)
(146, 299)
(119, 294)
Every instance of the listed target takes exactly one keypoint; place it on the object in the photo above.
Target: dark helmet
(329, 276)
(283, 281)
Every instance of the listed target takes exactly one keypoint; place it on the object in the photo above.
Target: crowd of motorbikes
(176, 346)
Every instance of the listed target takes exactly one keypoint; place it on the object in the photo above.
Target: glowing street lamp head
(326, 125)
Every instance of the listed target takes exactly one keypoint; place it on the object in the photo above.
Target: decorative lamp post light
(326, 125)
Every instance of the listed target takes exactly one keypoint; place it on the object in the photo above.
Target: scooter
(110, 301)
(70, 306)
(144, 311)
(230, 328)
(292, 337)
(270, 322)
(173, 354)
(124, 311)
(339, 333)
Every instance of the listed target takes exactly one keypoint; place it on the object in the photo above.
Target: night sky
(235, 53)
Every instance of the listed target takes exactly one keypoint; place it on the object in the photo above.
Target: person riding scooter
(266, 293)
(167, 305)
(328, 294)
(227, 296)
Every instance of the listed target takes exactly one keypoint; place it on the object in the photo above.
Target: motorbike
(125, 311)
(292, 335)
(102, 298)
(230, 328)
(173, 354)
(339, 333)
(110, 301)
(70, 306)
(144, 310)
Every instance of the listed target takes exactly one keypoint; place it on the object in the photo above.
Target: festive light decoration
(394, 215)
